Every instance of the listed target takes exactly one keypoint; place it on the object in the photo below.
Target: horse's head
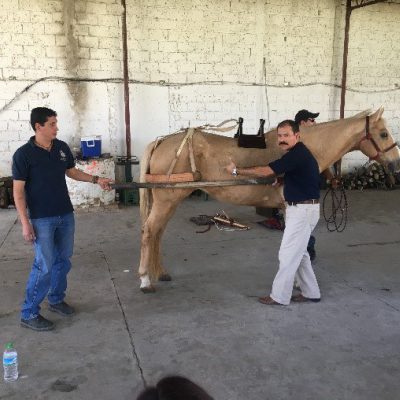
(378, 143)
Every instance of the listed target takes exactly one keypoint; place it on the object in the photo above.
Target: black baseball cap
(304, 115)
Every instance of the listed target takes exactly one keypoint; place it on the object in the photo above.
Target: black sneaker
(37, 324)
(62, 308)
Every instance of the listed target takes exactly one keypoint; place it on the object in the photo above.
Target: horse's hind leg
(150, 268)
(165, 276)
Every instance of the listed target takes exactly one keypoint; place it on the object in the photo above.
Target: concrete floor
(207, 324)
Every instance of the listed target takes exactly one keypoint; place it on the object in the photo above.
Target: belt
(311, 201)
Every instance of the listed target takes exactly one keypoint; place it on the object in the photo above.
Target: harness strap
(369, 137)
(191, 154)
(219, 127)
(189, 138)
(188, 135)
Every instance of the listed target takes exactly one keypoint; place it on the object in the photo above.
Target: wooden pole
(345, 56)
(194, 185)
(126, 83)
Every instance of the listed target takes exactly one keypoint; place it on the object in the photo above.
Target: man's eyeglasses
(311, 119)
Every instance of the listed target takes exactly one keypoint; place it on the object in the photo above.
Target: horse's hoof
(148, 289)
(165, 277)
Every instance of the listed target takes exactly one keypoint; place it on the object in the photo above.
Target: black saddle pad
(251, 141)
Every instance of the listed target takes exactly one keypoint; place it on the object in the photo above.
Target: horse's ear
(378, 114)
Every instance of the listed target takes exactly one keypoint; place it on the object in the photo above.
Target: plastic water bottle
(10, 363)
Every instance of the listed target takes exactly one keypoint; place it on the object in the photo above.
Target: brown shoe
(299, 298)
(269, 301)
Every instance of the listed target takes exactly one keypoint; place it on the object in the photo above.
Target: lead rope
(337, 220)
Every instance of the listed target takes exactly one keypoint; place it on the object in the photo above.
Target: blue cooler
(91, 146)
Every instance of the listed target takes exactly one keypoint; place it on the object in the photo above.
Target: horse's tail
(146, 198)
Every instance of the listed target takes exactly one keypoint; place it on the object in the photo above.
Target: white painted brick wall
(87, 194)
(212, 53)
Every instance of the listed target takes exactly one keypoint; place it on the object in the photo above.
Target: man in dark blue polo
(301, 191)
(303, 118)
(46, 213)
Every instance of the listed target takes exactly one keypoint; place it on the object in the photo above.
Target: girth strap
(188, 137)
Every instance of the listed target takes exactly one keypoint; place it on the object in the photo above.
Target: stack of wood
(372, 176)
(6, 192)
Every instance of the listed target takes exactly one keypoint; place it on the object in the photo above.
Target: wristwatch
(95, 178)
(235, 172)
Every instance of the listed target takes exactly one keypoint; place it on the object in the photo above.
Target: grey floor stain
(63, 386)
(67, 385)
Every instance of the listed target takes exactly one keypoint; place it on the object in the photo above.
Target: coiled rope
(335, 202)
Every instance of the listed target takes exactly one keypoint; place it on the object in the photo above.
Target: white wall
(190, 62)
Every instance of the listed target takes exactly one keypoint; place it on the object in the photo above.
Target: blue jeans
(53, 248)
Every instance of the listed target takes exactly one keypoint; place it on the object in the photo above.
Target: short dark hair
(175, 388)
(40, 115)
(289, 122)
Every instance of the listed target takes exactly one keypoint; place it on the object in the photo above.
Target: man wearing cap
(301, 192)
(306, 118)
(303, 118)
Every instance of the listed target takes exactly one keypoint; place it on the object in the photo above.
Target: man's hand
(28, 232)
(278, 181)
(230, 167)
(105, 183)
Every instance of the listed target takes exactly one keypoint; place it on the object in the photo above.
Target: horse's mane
(343, 121)
(362, 114)
(270, 134)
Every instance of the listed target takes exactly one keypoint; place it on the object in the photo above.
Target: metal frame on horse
(328, 142)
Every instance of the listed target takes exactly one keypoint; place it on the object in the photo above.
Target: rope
(337, 220)
(180, 84)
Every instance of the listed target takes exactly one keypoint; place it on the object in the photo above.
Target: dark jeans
(53, 248)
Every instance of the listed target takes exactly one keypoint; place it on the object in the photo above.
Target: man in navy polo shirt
(39, 169)
(301, 192)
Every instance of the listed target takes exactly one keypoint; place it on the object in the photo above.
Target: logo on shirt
(63, 156)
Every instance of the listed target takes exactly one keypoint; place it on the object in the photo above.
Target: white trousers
(294, 259)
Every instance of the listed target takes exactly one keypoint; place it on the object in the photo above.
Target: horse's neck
(331, 141)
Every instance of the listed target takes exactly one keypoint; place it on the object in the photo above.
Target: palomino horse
(328, 142)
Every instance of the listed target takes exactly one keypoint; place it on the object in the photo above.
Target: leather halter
(369, 137)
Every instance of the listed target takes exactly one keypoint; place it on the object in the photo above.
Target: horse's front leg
(150, 268)
(150, 254)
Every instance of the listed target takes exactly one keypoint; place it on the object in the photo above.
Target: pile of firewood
(6, 192)
(372, 176)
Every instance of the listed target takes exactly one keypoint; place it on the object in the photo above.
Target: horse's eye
(384, 135)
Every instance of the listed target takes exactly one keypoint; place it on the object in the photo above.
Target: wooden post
(126, 84)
